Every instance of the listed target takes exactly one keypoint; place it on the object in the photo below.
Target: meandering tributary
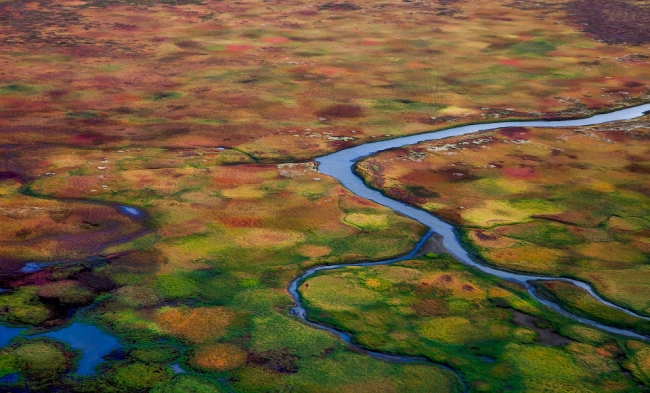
(340, 165)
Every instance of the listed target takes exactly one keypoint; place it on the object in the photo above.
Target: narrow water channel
(340, 165)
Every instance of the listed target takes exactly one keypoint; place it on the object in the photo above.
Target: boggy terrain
(204, 116)
(490, 330)
(559, 202)
(292, 79)
(209, 276)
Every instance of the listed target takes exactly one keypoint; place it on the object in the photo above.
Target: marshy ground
(206, 116)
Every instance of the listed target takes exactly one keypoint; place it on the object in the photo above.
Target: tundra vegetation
(491, 331)
(570, 202)
(206, 116)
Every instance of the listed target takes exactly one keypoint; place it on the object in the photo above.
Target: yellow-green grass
(22, 307)
(580, 302)
(350, 372)
(38, 361)
(439, 309)
(638, 359)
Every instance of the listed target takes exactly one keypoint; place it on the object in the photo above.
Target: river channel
(340, 165)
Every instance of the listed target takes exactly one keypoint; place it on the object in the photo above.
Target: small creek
(340, 166)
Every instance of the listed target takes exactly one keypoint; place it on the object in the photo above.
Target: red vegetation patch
(515, 133)
(238, 48)
(510, 62)
(420, 177)
(341, 145)
(39, 278)
(358, 201)
(613, 21)
(343, 111)
(402, 195)
(616, 136)
(449, 214)
(454, 174)
(521, 173)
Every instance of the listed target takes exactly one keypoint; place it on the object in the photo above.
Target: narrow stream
(340, 166)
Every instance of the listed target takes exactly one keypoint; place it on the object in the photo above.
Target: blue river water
(340, 165)
(94, 343)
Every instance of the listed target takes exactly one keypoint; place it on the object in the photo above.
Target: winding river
(340, 166)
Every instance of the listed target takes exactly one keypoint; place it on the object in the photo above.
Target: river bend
(340, 165)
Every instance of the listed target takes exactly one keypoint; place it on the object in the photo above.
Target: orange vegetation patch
(276, 40)
(194, 324)
(520, 133)
(219, 357)
(314, 251)
(521, 173)
(526, 257)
